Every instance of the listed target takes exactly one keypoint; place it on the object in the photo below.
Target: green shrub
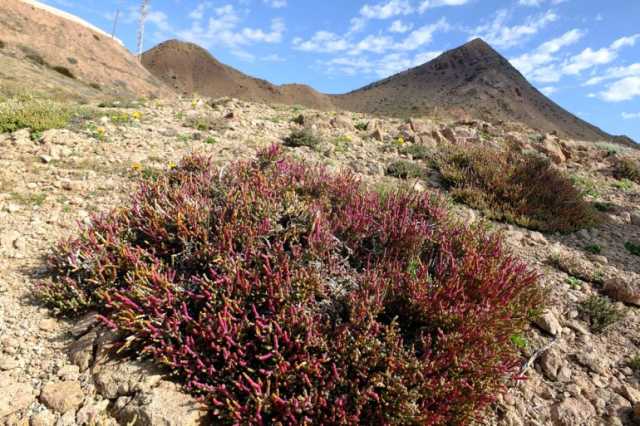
(404, 169)
(626, 168)
(205, 122)
(604, 206)
(299, 120)
(600, 313)
(303, 137)
(362, 126)
(515, 187)
(634, 363)
(416, 151)
(632, 248)
(35, 114)
(2, 44)
(593, 248)
(281, 294)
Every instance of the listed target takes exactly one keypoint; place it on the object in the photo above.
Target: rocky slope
(188, 69)
(57, 372)
(66, 59)
(471, 81)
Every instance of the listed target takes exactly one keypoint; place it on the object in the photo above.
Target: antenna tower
(144, 10)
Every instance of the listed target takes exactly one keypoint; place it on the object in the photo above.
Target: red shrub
(283, 294)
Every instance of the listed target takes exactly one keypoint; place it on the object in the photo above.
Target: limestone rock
(549, 323)
(572, 412)
(43, 418)
(624, 288)
(62, 396)
(164, 405)
(14, 396)
(114, 378)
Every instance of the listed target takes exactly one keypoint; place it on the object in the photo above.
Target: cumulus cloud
(631, 115)
(622, 90)
(615, 73)
(428, 4)
(589, 58)
(549, 90)
(498, 33)
(276, 4)
(386, 10)
(382, 67)
(533, 64)
(400, 27)
(223, 29)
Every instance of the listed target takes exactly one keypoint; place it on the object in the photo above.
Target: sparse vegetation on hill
(626, 168)
(35, 114)
(282, 294)
(520, 188)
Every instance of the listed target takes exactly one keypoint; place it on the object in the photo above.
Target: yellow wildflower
(137, 115)
(136, 167)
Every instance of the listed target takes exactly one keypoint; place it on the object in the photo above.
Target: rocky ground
(57, 372)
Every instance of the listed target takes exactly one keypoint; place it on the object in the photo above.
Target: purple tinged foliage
(284, 295)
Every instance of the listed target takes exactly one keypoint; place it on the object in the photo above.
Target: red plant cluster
(285, 295)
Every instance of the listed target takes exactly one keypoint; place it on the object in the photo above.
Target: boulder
(624, 288)
(164, 405)
(572, 412)
(14, 396)
(62, 396)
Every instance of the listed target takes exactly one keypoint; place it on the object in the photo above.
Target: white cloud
(589, 58)
(615, 73)
(382, 67)
(322, 41)
(222, 29)
(622, 90)
(422, 35)
(536, 3)
(625, 42)
(328, 42)
(530, 3)
(499, 34)
(386, 10)
(549, 90)
(198, 12)
(533, 64)
(631, 115)
(276, 4)
(428, 4)
(400, 27)
(274, 57)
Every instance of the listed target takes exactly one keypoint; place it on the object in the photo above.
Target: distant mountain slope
(45, 50)
(188, 68)
(475, 79)
(471, 81)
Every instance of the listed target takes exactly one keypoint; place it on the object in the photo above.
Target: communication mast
(115, 23)
(144, 10)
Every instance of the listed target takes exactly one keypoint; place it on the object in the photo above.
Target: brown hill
(62, 56)
(472, 79)
(188, 69)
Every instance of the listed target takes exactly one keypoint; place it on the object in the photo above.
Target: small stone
(164, 405)
(89, 414)
(8, 363)
(43, 418)
(549, 323)
(551, 362)
(14, 396)
(48, 324)
(45, 159)
(377, 135)
(69, 372)
(62, 396)
(572, 412)
(593, 362)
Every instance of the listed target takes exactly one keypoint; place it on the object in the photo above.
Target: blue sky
(584, 54)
